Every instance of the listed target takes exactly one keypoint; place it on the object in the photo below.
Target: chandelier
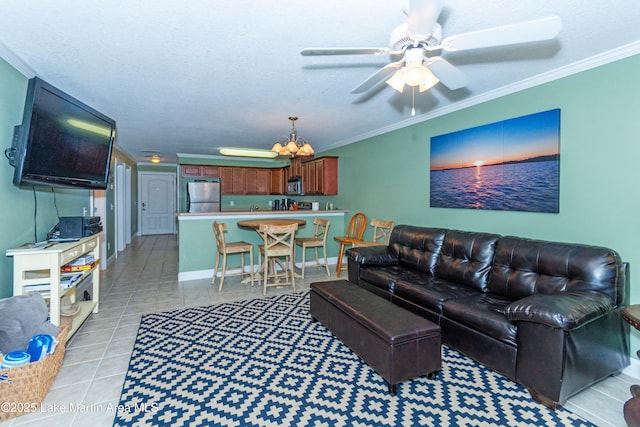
(293, 145)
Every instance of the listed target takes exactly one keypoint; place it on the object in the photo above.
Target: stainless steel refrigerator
(203, 196)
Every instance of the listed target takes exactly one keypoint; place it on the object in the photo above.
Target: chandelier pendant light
(293, 145)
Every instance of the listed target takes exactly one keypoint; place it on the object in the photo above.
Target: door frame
(122, 201)
(174, 175)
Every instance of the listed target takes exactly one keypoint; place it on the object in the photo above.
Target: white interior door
(157, 202)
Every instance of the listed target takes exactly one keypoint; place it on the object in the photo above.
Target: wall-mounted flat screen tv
(62, 142)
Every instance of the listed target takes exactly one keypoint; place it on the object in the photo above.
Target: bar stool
(381, 234)
(224, 248)
(278, 248)
(355, 231)
(319, 240)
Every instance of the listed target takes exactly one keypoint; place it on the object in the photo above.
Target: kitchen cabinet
(211, 171)
(226, 180)
(264, 181)
(327, 176)
(320, 176)
(295, 167)
(250, 181)
(191, 170)
(41, 269)
(237, 185)
(309, 181)
(278, 180)
(257, 181)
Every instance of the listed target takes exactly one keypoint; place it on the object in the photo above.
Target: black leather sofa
(544, 314)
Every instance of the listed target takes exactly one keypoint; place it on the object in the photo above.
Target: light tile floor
(143, 279)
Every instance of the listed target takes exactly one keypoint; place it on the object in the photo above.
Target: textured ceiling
(191, 76)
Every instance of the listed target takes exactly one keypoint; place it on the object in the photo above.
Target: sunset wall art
(509, 165)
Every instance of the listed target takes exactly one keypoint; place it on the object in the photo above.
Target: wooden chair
(355, 231)
(278, 248)
(381, 234)
(319, 240)
(224, 248)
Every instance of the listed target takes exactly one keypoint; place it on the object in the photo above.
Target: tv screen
(62, 141)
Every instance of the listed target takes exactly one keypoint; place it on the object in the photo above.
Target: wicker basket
(26, 386)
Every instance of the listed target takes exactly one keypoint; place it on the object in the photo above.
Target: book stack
(82, 263)
(66, 281)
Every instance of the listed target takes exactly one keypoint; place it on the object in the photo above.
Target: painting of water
(509, 165)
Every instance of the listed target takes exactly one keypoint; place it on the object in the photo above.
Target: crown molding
(576, 67)
(16, 62)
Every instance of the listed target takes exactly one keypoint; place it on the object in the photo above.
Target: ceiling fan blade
(422, 16)
(529, 31)
(377, 77)
(344, 51)
(448, 75)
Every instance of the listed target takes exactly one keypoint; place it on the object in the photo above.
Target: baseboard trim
(185, 276)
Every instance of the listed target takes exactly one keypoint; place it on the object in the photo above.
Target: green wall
(17, 223)
(599, 173)
(17, 218)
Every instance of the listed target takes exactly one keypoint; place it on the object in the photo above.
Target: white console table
(42, 266)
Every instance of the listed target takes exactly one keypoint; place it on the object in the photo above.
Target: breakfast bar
(197, 245)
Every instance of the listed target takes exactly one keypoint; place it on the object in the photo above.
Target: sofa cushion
(431, 293)
(418, 288)
(483, 312)
(417, 247)
(523, 267)
(466, 258)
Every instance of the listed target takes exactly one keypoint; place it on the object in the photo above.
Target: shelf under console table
(43, 267)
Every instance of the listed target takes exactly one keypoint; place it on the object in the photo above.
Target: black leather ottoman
(397, 344)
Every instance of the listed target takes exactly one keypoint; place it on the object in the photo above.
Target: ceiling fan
(418, 40)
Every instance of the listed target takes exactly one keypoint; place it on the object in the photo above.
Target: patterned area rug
(264, 362)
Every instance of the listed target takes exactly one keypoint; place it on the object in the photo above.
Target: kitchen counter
(197, 245)
(235, 213)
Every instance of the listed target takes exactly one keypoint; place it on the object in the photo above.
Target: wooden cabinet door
(191, 170)
(277, 180)
(238, 180)
(296, 166)
(330, 176)
(309, 184)
(226, 180)
(211, 171)
(263, 184)
(319, 169)
(251, 181)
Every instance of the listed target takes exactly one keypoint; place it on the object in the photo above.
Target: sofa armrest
(565, 310)
(373, 255)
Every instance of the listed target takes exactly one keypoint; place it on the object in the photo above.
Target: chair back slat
(278, 237)
(357, 225)
(382, 230)
(218, 231)
(322, 228)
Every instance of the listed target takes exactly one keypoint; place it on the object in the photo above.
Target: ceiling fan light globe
(415, 74)
(429, 82)
(396, 81)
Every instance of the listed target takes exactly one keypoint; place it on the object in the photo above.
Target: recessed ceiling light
(248, 152)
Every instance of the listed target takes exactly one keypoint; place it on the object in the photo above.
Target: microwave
(294, 186)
